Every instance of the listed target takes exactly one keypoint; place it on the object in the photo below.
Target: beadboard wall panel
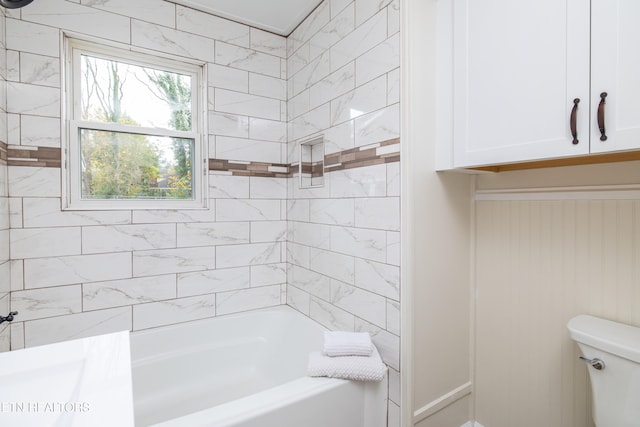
(539, 263)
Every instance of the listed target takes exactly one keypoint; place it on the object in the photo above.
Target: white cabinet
(510, 74)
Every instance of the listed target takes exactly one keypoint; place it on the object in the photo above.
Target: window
(134, 130)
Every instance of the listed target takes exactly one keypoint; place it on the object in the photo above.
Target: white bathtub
(245, 370)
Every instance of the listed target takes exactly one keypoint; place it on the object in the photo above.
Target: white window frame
(71, 166)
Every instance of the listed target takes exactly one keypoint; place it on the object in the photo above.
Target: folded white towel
(341, 343)
(359, 368)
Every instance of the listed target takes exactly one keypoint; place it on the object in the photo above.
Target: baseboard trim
(442, 402)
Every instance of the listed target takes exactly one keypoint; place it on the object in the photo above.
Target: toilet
(612, 352)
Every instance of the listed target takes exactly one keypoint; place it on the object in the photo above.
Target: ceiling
(277, 16)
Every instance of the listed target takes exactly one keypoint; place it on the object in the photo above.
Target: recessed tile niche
(311, 165)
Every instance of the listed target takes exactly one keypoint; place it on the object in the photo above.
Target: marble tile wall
(343, 251)
(5, 275)
(79, 273)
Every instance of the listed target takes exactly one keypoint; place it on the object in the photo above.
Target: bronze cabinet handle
(603, 132)
(573, 121)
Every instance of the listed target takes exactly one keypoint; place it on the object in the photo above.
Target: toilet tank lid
(612, 337)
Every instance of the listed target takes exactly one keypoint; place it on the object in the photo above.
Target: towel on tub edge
(359, 368)
(341, 343)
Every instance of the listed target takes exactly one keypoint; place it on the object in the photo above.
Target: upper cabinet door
(615, 67)
(517, 68)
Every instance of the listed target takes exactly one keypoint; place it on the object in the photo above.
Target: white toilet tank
(616, 385)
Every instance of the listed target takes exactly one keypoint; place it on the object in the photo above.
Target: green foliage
(127, 165)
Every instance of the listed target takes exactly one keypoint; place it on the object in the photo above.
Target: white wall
(543, 257)
(4, 200)
(343, 247)
(82, 273)
(436, 241)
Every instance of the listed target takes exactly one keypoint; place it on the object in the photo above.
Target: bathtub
(244, 370)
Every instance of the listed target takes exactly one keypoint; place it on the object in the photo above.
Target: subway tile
(248, 150)
(382, 279)
(298, 105)
(38, 131)
(45, 242)
(247, 299)
(379, 60)
(31, 37)
(393, 12)
(78, 325)
(298, 210)
(17, 274)
(339, 138)
(212, 233)
(39, 70)
(315, 121)
(17, 335)
(310, 26)
(212, 27)
(12, 66)
(310, 74)
(339, 27)
(4, 246)
(387, 343)
(44, 272)
(250, 254)
(119, 238)
(246, 59)
(380, 125)
(178, 310)
(268, 274)
(162, 13)
(366, 9)
(228, 125)
(369, 181)
(173, 216)
(266, 42)
(363, 38)
(381, 213)
(393, 87)
(45, 212)
(298, 254)
(270, 87)
(315, 235)
(267, 130)
(227, 101)
(268, 188)
(366, 305)
(47, 302)
(393, 247)
(332, 211)
(224, 77)
(116, 293)
(31, 99)
(181, 260)
(364, 99)
(310, 281)
(334, 85)
(337, 6)
(363, 243)
(212, 281)
(393, 317)
(167, 40)
(268, 231)
(393, 179)
(298, 60)
(81, 19)
(298, 299)
(228, 187)
(247, 210)
(332, 264)
(330, 316)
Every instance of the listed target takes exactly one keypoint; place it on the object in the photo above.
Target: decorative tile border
(34, 156)
(3, 153)
(368, 155)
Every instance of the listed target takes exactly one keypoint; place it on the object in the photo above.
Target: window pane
(117, 165)
(117, 92)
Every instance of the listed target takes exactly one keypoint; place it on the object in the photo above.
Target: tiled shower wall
(79, 273)
(4, 200)
(343, 248)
